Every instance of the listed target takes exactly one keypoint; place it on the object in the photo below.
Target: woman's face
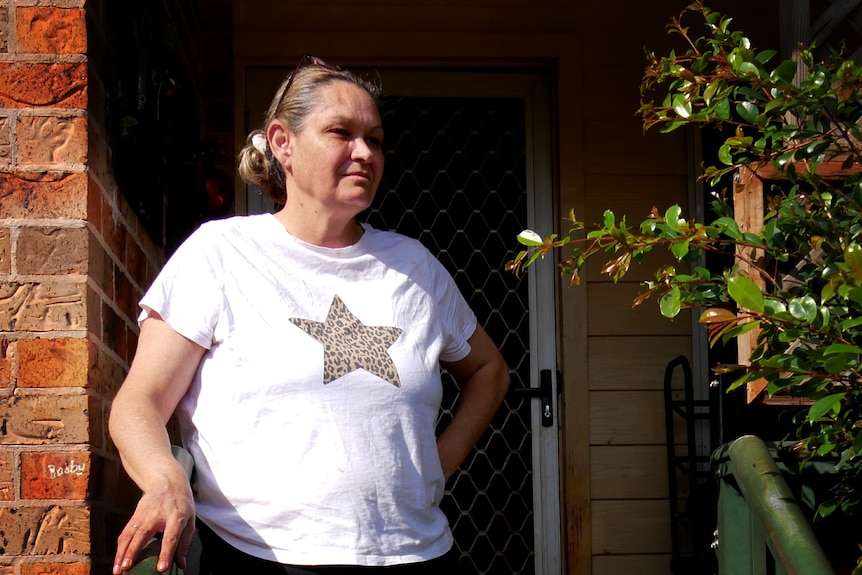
(335, 163)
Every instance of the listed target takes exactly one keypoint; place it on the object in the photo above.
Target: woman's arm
(161, 372)
(484, 380)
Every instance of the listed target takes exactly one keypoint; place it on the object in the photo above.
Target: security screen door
(467, 168)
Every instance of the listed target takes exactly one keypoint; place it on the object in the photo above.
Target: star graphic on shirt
(348, 344)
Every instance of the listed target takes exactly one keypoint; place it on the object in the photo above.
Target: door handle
(544, 392)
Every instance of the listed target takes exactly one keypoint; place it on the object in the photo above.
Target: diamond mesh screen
(455, 179)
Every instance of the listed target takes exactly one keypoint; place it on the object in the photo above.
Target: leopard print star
(349, 345)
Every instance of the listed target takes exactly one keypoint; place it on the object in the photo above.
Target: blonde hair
(257, 166)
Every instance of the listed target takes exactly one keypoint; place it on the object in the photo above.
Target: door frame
(534, 88)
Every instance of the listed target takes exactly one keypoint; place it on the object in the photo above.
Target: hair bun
(259, 142)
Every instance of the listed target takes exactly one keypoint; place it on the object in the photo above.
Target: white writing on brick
(71, 468)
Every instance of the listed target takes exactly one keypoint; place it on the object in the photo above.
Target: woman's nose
(361, 150)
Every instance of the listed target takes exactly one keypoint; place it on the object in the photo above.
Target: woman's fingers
(129, 544)
(169, 513)
(175, 543)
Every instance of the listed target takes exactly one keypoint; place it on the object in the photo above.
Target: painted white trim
(542, 277)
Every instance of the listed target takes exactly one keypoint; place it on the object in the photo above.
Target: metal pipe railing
(756, 506)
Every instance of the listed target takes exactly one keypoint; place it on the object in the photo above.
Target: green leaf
(785, 71)
(729, 227)
(609, 219)
(722, 109)
(803, 308)
(842, 348)
(853, 257)
(672, 217)
(746, 293)
(749, 68)
(835, 364)
(681, 106)
(530, 238)
(827, 508)
(680, 249)
(824, 405)
(710, 91)
(747, 111)
(724, 154)
(765, 56)
(669, 304)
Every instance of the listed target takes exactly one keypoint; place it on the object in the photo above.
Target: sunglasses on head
(306, 60)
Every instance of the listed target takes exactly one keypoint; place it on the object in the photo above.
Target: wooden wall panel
(630, 527)
(631, 564)
(610, 312)
(630, 418)
(628, 472)
(633, 152)
(634, 363)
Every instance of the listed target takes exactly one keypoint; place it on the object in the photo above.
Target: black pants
(220, 558)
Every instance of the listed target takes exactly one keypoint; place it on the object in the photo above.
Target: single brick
(4, 29)
(114, 233)
(42, 307)
(56, 475)
(5, 251)
(97, 424)
(50, 30)
(136, 262)
(98, 264)
(36, 84)
(43, 195)
(6, 347)
(113, 330)
(44, 419)
(53, 251)
(124, 295)
(105, 374)
(5, 140)
(98, 152)
(53, 362)
(94, 312)
(7, 475)
(94, 204)
(51, 140)
(55, 569)
(53, 530)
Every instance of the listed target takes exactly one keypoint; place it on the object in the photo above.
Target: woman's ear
(279, 141)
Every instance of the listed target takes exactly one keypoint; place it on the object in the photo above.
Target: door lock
(545, 392)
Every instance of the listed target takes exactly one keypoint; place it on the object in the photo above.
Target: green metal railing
(761, 528)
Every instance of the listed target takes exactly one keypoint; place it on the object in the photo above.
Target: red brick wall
(73, 264)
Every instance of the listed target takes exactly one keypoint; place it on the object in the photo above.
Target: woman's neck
(321, 231)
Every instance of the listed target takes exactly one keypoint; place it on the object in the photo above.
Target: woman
(301, 352)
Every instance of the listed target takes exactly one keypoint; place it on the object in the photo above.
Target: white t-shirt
(311, 417)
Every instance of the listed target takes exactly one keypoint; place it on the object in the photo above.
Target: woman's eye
(375, 142)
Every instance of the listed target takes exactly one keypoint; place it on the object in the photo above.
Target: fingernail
(162, 567)
(116, 569)
(127, 563)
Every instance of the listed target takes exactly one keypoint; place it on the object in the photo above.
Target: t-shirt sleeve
(187, 293)
(458, 320)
